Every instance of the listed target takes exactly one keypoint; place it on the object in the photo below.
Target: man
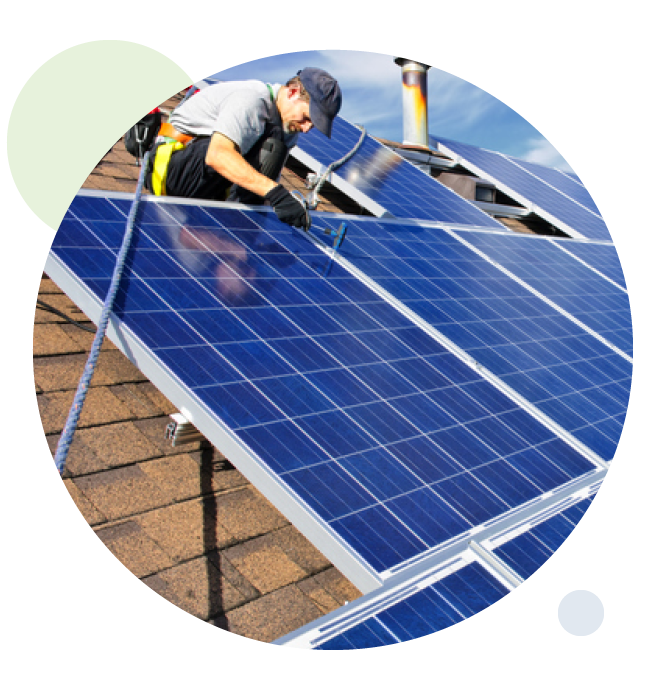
(230, 140)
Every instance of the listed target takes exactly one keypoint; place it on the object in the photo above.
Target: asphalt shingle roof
(182, 519)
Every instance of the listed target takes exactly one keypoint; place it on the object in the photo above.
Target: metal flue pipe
(415, 124)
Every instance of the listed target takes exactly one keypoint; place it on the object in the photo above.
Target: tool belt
(170, 132)
(174, 141)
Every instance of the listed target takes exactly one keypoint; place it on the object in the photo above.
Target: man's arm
(224, 157)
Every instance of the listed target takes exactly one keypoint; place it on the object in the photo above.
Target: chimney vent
(415, 124)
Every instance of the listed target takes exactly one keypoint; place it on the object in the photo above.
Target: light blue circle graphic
(581, 613)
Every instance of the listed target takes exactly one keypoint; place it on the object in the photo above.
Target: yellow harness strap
(161, 163)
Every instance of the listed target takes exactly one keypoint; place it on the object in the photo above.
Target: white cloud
(372, 85)
(362, 69)
(541, 151)
(453, 101)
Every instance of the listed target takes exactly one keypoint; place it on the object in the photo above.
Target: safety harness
(174, 140)
(162, 158)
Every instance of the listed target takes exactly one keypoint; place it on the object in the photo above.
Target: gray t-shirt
(241, 111)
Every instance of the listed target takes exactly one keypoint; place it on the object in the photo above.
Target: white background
(77, 623)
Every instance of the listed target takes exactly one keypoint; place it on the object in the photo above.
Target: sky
(372, 97)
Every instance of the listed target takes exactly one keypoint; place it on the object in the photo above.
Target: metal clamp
(338, 235)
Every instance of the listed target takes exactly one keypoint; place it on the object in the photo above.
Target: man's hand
(288, 209)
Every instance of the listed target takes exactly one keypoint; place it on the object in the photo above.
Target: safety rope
(76, 407)
(313, 199)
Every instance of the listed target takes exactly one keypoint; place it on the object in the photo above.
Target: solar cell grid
(522, 185)
(348, 414)
(559, 180)
(527, 552)
(454, 598)
(581, 292)
(387, 179)
(603, 258)
(539, 352)
(573, 176)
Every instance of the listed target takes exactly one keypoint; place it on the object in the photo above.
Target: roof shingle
(182, 519)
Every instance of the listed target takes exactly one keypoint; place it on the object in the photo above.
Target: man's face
(295, 113)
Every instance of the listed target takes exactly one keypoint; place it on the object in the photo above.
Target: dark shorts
(188, 175)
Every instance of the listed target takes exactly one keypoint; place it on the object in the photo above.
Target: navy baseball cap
(324, 97)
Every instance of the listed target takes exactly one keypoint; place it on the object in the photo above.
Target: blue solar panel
(560, 181)
(570, 284)
(547, 201)
(565, 371)
(573, 176)
(602, 257)
(436, 607)
(395, 444)
(526, 553)
(461, 583)
(389, 180)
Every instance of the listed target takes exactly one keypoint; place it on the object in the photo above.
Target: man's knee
(268, 158)
(272, 155)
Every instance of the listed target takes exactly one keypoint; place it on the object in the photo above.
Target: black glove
(288, 208)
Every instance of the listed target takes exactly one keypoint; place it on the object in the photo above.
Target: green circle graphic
(73, 109)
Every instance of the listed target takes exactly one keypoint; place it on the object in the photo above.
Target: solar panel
(561, 367)
(456, 597)
(570, 209)
(582, 292)
(573, 176)
(384, 182)
(377, 441)
(561, 181)
(461, 586)
(528, 551)
(601, 257)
